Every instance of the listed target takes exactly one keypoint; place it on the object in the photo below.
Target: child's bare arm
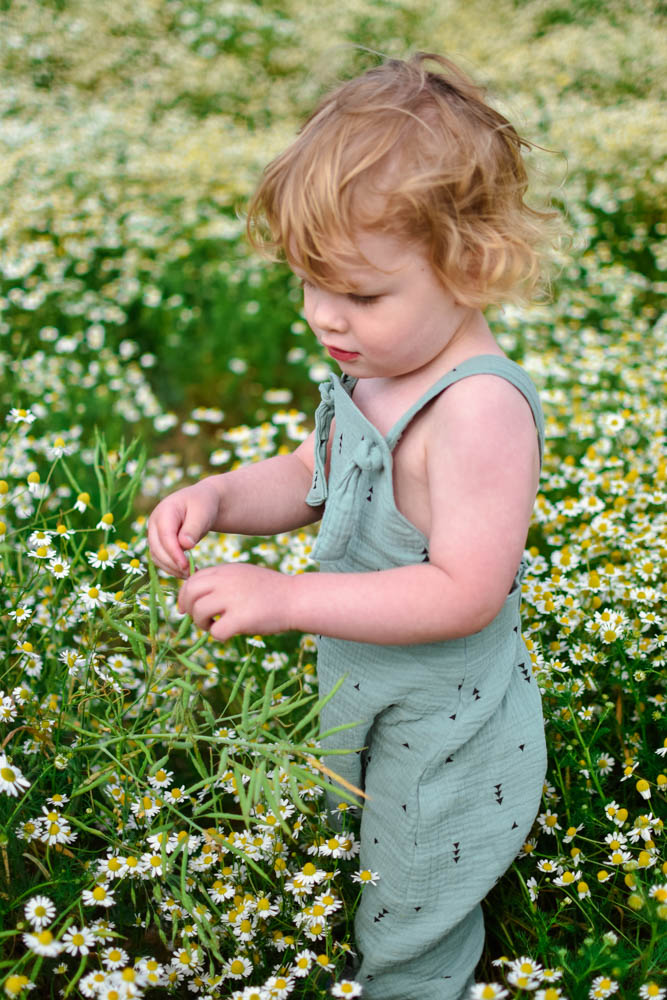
(482, 471)
(262, 498)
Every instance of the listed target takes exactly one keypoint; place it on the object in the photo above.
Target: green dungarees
(453, 753)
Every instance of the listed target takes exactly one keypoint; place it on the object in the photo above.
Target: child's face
(396, 319)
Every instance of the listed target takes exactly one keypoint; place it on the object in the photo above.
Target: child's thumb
(189, 534)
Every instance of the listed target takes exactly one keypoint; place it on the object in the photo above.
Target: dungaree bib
(450, 746)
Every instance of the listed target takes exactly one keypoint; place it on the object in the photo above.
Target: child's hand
(237, 599)
(178, 522)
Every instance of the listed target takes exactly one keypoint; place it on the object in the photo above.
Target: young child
(400, 206)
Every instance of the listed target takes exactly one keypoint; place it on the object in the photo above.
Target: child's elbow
(482, 608)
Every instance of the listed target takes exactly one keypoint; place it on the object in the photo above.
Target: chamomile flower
(8, 709)
(91, 597)
(279, 987)
(601, 987)
(302, 963)
(101, 559)
(114, 957)
(39, 911)
(77, 941)
(651, 991)
(346, 988)
(20, 614)
(43, 943)
(99, 896)
(59, 568)
(15, 985)
(12, 781)
(92, 983)
(487, 991)
(239, 967)
(18, 415)
(133, 567)
(366, 877)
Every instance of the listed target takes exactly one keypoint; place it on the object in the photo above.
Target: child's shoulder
(481, 413)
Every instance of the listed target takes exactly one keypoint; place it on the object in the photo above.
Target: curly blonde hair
(418, 155)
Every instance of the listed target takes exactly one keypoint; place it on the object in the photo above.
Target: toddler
(400, 207)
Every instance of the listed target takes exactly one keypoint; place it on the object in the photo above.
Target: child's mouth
(342, 355)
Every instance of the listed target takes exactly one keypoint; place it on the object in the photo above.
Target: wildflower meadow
(162, 827)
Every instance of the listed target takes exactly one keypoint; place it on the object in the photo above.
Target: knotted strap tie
(323, 416)
(346, 501)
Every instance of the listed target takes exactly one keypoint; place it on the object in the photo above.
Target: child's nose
(327, 311)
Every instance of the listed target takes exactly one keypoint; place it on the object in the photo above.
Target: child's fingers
(166, 551)
(196, 523)
(198, 599)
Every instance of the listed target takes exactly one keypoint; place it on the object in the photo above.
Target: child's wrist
(293, 589)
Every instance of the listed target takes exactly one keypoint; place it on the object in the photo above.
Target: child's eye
(363, 300)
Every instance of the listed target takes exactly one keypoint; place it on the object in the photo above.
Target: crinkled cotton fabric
(449, 742)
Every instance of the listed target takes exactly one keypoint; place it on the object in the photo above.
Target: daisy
(103, 929)
(20, 614)
(92, 597)
(549, 822)
(550, 993)
(12, 780)
(161, 778)
(550, 867)
(309, 875)
(15, 985)
(302, 963)
(78, 942)
(488, 991)
(99, 896)
(43, 943)
(566, 878)
(58, 800)
(111, 867)
(20, 416)
(346, 988)
(44, 551)
(55, 828)
(133, 567)
(366, 877)
(605, 764)
(239, 967)
(8, 709)
(39, 911)
(265, 907)
(525, 967)
(92, 983)
(101, 559)
(329, 902)
(601, 987)
(220, 891)
(151, 865)
(114, 957)
(251, 993)
(649, 991)
(59, 447)
(278, 987)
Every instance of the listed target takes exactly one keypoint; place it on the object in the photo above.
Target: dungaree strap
(483, 364)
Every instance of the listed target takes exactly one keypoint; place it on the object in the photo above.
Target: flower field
(161, 795)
